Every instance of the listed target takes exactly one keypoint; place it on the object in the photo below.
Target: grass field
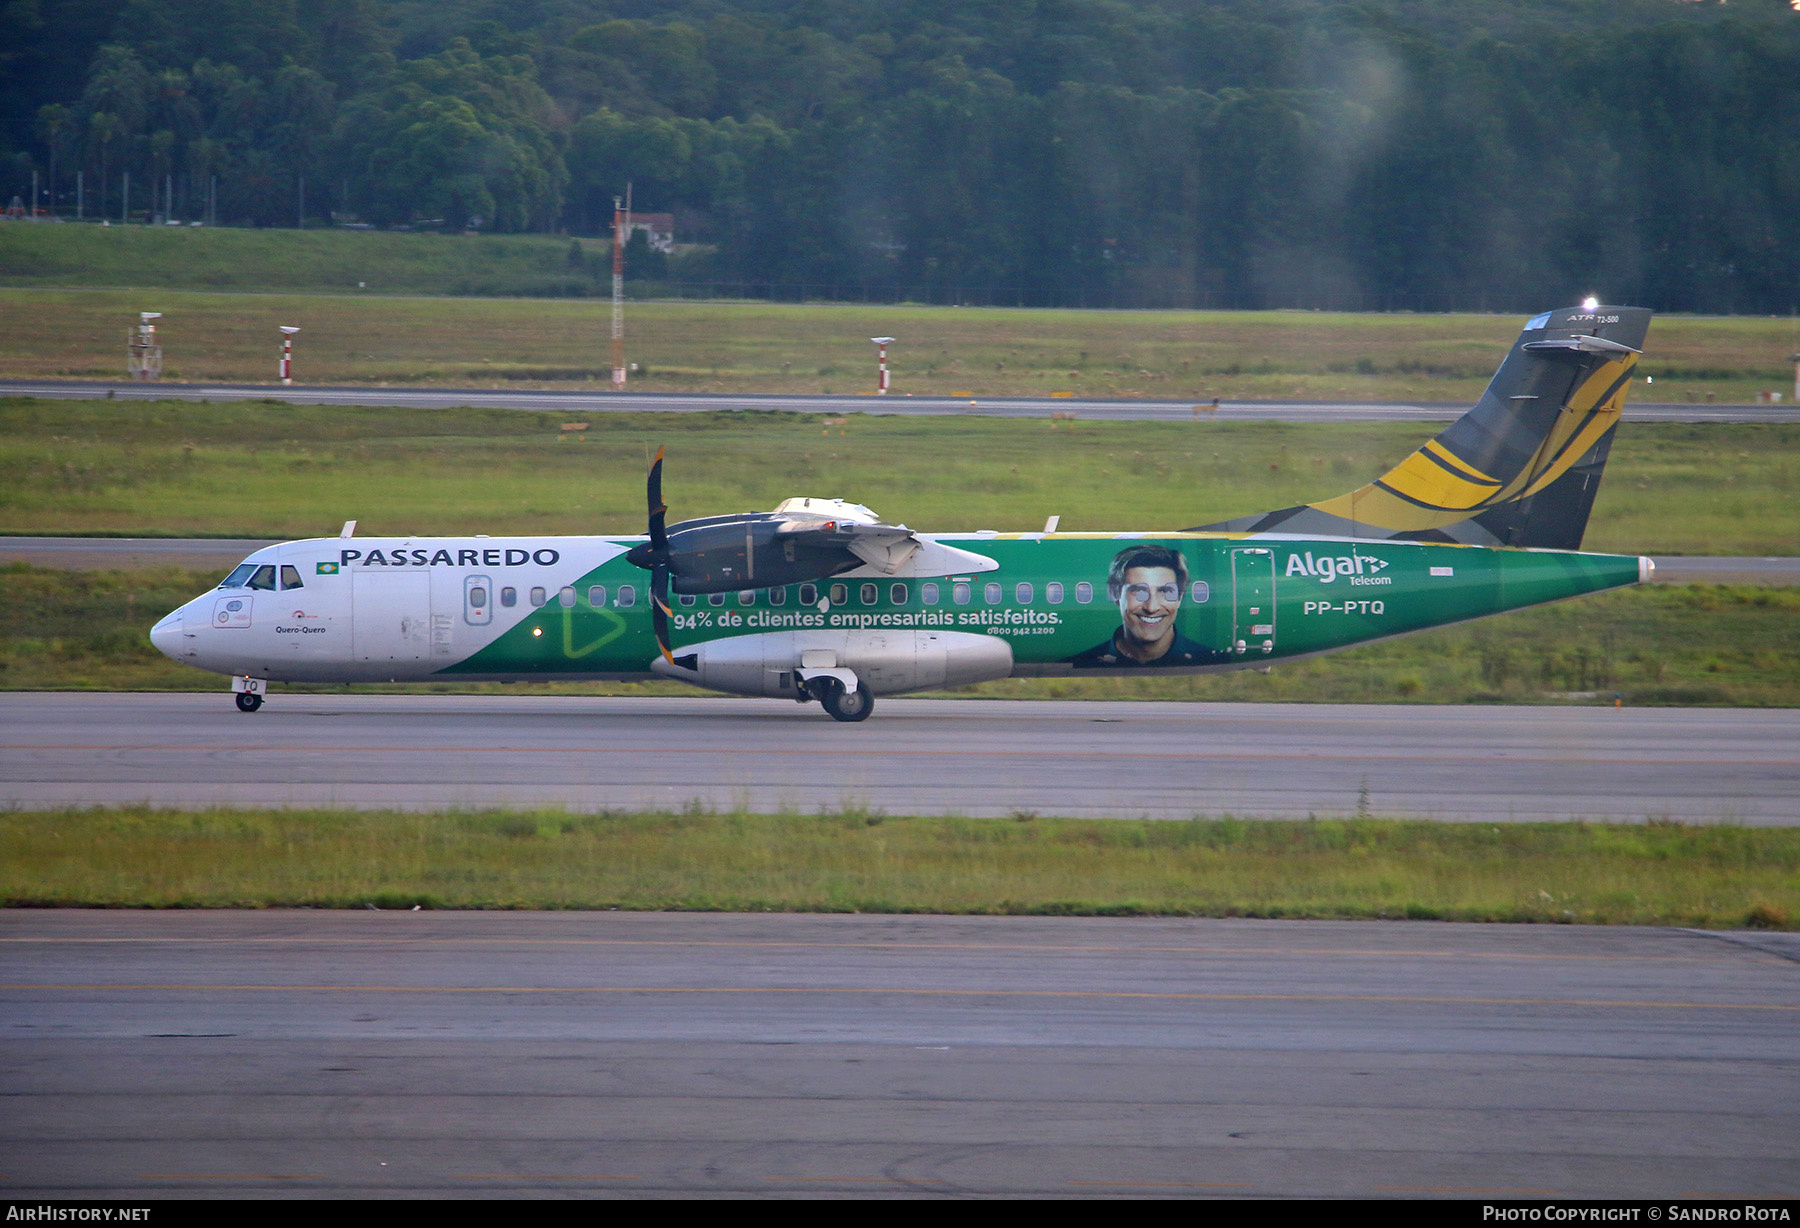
(258, 469)
(301, 260)
(1657, 873)
(357, 338)
(64, 630)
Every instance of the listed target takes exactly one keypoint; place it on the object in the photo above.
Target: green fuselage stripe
(1326, 594)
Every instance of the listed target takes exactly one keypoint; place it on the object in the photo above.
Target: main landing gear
(250, 692)
(842, 704)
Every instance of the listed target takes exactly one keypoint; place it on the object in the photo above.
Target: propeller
(653, 556)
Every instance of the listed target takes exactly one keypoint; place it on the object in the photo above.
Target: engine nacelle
(886, 662)
(721, 554)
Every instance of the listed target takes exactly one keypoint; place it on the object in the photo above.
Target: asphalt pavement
(582, 402)
(914, 756)
(362, 1054)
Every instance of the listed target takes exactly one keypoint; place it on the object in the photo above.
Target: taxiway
(579, 402)
(916, 756)
(304, 1054)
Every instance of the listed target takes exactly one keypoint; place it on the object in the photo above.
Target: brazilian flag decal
(327, 569)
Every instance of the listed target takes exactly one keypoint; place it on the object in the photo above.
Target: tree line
(1388, 153)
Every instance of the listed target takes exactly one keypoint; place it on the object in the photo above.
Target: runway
(190, 1055)
(915, 756)
(579, 402)
(130, 553)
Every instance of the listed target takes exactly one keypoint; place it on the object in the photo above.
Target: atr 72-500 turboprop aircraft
(820, 599)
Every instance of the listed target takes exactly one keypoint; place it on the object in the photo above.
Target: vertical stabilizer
(1519, 469)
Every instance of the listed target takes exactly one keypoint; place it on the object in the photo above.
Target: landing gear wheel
(847, 705)
(247, 702)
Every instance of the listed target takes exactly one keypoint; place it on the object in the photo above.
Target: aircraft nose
(166, 636)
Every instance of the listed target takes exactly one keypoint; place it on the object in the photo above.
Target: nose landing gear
(250, 692)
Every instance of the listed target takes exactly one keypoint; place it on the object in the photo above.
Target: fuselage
(850, 607)
(522, 608)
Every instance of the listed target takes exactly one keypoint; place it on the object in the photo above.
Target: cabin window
(597, 596)
(871, 593)
(476, 595)
(1202, 592)
(263, 578)
(928, 593)
(959, 592)
(897, 594)
(1023, 594)
(747, 596)
(538, 596)
(565, 597)
(627, 595)
(840, 593)
(509, 596)
(238, 575)
(1053, 592)
(778, 596)
(715, 599)
(1084, 593)
(990, 592)
(290, 577)
(687, 599)
(809, 594)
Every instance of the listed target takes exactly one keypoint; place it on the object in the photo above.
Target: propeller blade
(659, 609)
(659, 537)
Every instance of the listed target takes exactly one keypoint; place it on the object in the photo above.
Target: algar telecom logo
(1359, 568)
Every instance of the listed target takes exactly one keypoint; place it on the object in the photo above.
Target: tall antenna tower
(621, 222)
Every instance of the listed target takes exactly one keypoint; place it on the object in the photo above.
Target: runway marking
(864, 1180)
(1458, 1189)
(391, 940)
(546, 1176)
(871, 990)
(901, 751)
(1165, 1185)
(893, 751)
(233, 1176)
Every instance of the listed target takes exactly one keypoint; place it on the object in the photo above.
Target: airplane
(822, 600)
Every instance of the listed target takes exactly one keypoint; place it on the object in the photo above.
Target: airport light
(143, 357)
(881, 380)
(287, 352)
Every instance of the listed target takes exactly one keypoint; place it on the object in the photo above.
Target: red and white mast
(287, 352)
(621, 223)
(881, 381)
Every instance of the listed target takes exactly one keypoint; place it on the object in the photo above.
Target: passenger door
(1252, 602)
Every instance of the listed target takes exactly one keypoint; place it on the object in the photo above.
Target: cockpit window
(238, 575)
(290, 577)
(264, 578)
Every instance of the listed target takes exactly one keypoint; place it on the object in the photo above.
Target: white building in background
(658, 228)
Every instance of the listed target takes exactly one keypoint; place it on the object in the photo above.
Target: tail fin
(1521, 468)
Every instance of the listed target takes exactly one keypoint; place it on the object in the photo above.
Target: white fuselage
(427, 603)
